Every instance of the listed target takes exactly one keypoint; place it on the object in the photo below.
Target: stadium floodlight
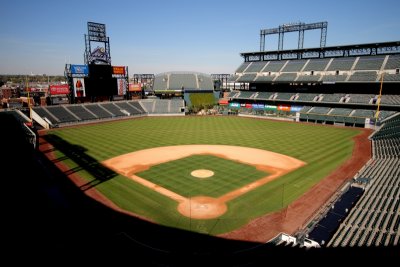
(292, 27)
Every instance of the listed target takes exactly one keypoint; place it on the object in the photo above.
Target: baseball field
(211, 174)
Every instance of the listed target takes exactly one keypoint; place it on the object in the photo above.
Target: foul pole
(379, 98)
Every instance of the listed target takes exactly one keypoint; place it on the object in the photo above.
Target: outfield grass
(323, 148)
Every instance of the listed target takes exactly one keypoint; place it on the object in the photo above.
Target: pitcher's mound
(202, 173)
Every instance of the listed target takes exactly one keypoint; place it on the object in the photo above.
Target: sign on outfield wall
(80, 69)
(284, 107)
(118, 70)
(270, 107)
(79, 87)
(59, 89)
(257, 106)
(135, 87)
(121, 84)
(223, 102)
(295, 108)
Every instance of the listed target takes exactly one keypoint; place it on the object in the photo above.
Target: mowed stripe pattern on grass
(323, 148)
(176, 176)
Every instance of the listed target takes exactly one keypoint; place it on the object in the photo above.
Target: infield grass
(323, 148)
(176, 176)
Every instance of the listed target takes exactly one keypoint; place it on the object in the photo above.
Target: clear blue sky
(155, 36)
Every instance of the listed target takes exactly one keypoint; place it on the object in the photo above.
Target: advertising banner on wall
(284, 107)
(223, 102)
(79, 87)
(121, 83)
(80, 69)
(59, 89)
(270, 107)
(234, 105)
(118, 70)
(295, 108)
(135, 87)
(258, 106)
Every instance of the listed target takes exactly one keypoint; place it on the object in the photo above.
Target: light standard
(27, 98)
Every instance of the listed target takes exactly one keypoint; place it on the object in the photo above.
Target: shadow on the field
(84, 161)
